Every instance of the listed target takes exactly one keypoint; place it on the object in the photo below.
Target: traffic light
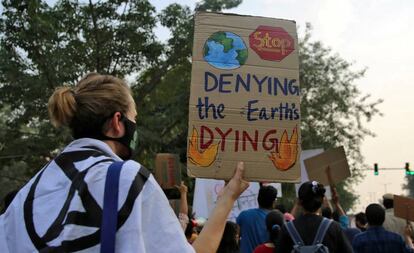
(408, 172)
(376, 169)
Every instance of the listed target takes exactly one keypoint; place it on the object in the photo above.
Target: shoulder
(360, 237)
(335, 226)
(133, 168)
(393, 236)
(246, 215)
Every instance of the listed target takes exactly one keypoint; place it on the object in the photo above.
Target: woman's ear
(115, 127)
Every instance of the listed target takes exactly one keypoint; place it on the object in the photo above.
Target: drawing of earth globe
(225, 50)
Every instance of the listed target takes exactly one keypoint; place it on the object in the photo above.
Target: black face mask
(129, 139)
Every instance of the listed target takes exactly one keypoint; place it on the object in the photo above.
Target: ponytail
(62, 106)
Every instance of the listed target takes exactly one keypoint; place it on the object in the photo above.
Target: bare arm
(335, 197)
(183, 197)
(210, 237)
(183, 213)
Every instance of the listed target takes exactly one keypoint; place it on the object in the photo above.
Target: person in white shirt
(60, 208)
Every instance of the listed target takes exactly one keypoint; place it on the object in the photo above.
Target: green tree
(42, 47)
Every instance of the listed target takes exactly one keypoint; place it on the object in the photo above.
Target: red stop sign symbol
(271, 43)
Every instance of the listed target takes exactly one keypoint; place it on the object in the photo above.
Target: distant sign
(245, 101)
(167, 170)
(205, 197)
(335, 159)
(404, 207)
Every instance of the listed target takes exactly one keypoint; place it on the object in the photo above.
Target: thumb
(239, 171)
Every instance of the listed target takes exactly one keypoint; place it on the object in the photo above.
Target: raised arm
(210, 237)
(343, 218)
(183, 214)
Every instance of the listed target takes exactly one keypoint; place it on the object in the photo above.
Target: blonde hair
(87, 106)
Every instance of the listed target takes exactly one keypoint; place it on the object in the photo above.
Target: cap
(388, 196)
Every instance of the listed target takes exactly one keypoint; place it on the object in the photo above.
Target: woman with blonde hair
(90, 197)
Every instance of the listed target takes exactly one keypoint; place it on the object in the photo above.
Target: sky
(373, 34)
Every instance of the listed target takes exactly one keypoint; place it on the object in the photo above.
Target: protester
(361, 221)
(274, 222)
(60, 209)
(392, 223)
(252, 222)
(378, 240)
(311, 196)
(230, 240)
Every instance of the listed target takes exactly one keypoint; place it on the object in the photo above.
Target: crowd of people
(61, 209)
(377, 230)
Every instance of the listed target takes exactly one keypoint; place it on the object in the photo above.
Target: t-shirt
(307, 226)
(262, 248)
(253, 230)
(378, 240)
(60, 209)
(350, 233)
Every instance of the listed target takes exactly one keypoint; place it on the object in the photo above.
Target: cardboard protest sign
(305, 154)
(245, 101)
(167, 170)
(335, 159)
(404, 207)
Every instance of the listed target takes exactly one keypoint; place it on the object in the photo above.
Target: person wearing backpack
(311, 232)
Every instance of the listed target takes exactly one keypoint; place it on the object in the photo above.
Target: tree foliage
(42, 47)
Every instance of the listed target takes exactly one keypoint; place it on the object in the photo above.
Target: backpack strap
(323, 227)
(110, 208)
(297, 240)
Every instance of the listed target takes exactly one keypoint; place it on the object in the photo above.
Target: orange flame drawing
(288, 151)
(201, 158)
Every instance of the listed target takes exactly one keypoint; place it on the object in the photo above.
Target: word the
(204, 107)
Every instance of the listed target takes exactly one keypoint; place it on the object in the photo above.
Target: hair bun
(62, 106)
(320, 190)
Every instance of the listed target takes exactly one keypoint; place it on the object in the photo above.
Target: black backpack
(317, 246)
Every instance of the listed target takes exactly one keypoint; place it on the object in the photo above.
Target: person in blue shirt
(378, 240)
(252, 222)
